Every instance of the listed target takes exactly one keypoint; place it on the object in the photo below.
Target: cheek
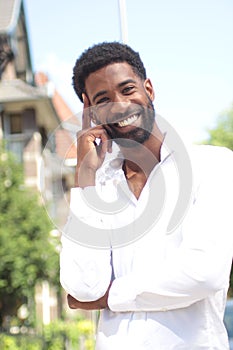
(99, 114)
(99, 118)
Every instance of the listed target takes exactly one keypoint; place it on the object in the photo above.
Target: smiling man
(131, 115)
(149, 237)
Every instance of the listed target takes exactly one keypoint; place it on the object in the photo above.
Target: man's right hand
(92, 145)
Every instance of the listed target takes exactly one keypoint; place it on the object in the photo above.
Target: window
(15, 124)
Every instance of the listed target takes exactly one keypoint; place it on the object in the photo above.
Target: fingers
(92, 146)
(109, 146)
(86, 118)
(93, 138)
(102, 148)
(72, 302)
(106, 145)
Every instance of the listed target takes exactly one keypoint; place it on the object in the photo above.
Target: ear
(86, 102)
(149, 89)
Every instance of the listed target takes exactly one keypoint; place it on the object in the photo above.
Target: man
(149, 237)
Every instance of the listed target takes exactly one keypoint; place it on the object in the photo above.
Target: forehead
(109, 77)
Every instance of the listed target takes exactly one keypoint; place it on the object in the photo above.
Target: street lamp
(123, 21)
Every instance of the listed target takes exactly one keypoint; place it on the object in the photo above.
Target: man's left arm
(101, 303)
(200, 266)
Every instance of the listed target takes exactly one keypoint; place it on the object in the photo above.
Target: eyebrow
(103, 92)
(98, 94)
(127, 82)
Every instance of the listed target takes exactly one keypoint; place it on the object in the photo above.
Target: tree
(222, 135)
(27, 254)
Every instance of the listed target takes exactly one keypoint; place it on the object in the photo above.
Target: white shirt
(168, 288)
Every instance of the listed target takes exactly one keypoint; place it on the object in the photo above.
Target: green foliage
(222, 134)
(26, 253)
(59, 335)
(73, 332)
(10, 342)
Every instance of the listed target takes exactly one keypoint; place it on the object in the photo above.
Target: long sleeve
(85, 272)
(199, 266)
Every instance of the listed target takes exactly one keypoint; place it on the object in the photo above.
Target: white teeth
(128, 121)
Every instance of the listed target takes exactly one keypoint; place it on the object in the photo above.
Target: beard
(139, 134)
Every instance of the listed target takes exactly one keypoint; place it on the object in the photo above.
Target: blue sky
(186, 46)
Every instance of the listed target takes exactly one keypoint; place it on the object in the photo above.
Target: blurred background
(188, 53)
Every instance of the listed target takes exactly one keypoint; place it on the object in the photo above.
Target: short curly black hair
(99, 56)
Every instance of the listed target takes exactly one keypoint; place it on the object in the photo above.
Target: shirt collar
(117, 162)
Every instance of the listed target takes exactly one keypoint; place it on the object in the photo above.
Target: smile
(128, 121)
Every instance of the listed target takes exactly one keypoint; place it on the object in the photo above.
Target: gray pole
(123, 21)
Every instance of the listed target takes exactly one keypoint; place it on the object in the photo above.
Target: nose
(119, 103)
(118, 107)
(112, 111)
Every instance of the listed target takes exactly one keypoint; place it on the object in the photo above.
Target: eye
(128, 89)
(102, 100)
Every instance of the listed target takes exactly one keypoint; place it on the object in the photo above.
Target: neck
(143, 158)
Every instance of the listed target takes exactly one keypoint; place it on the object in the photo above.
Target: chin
(133, 139)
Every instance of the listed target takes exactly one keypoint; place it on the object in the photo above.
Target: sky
(186, 47)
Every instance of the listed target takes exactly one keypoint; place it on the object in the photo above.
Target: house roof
(66, 135)
(9, 13)
(14, 37)
(18, 90)
(17, 93)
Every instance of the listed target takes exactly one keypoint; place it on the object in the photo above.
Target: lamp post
(123, 21)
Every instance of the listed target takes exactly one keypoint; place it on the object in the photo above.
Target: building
(35, 125)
